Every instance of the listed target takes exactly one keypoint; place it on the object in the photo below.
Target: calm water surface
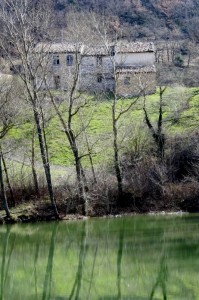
(140, 257)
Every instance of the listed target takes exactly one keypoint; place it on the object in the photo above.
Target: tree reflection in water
(82, 254)
(119, 261)
(49, 267)
(99, 259)
(92, 273)
(35, 269)
(161, 279)
(6, 263)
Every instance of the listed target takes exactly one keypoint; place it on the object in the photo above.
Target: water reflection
(78, 278)
(92, 273)
(35, 269)
(119, 261)
(6, 258)
(49, 267)
(161, 280)
(132, 258)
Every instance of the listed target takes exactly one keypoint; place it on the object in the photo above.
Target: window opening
(69, 60)
(56, 60)
(112, 51)
(127, 80)
(57, 82)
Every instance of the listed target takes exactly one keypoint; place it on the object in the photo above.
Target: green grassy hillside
(180, 116)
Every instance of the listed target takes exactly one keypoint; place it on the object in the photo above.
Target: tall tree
(157, 133)
(24, 25)
(109, 35)
(79, 32)
(7, 117)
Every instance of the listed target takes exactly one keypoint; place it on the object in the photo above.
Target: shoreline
(41, 210)
(23, 219)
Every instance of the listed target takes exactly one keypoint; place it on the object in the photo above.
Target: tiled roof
(95, 50)
(135, 47)
(58, 47)
(120, 47)
(90, 50)
(136, 69)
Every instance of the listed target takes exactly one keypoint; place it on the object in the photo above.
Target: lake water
(138, 257)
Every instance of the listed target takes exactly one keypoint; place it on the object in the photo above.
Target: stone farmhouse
(127, 68)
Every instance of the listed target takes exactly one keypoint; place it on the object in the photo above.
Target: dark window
(57, 82)
(99, 60)
(108, 76)
(127, 80)
(112, 51)
(99, 77)
(56, 60)
(69, 60)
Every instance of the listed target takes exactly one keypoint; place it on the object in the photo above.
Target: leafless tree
(157, 133)
(119, 110)
(74, 103)
(174, 102)
(7, 118)
(25, 24)
(79, 31)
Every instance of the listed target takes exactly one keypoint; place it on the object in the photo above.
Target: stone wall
(131, 84)
(93, 76)
(64, 71)
(96, 74)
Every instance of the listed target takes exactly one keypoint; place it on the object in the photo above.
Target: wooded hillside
(155, 19)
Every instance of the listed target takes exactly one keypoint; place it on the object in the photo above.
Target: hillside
(143, 18)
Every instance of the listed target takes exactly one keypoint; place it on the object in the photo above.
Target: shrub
(178, 61)
(183, 159)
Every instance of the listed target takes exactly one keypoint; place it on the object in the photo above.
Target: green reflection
(161, 279)
(119, 261)
(78, 278)
(49, 267)
(6, 257)
(141, 257)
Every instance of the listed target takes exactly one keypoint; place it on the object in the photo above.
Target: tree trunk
(3, 192)
(90, 158)
(45, 164)
(116, 153)
(160, 135)
(79, 171)
(8, 181)
(157, 134)
(34, 173)
(67, 125)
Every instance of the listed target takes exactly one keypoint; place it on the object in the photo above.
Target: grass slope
(180, 116)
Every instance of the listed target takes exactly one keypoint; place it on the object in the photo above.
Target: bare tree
(24, 24)
(74, 101)
(119, 110)
(34, 172)
(157, 133)
(8, 180)
(7, 115)
(174, 103)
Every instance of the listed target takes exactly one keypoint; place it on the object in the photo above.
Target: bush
(183, 159)
(178, 61)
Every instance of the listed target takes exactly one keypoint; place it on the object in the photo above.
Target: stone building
(126, 68)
